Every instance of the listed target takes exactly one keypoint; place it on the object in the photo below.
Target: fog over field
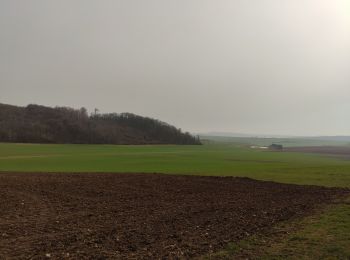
(269, 67)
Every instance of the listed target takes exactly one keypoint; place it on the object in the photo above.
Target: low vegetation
(323, 235)
(221, 160)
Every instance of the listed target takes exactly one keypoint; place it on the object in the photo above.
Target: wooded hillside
(40, 124)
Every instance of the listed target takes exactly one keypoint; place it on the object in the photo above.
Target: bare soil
(141, 216)
(339, 151)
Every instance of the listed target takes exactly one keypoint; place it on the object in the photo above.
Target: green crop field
(212, 159)
(326, 234)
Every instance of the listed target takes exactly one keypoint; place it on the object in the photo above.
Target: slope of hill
(40, 124)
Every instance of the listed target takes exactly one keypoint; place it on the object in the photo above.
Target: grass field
(322, 236)
(214, 159)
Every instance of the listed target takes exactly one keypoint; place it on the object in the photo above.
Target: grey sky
(254, 66)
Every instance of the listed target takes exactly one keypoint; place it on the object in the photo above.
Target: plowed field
(152, 216)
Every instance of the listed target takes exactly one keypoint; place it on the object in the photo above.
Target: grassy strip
(325, 235)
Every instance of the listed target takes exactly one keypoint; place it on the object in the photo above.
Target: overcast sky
(246, 66)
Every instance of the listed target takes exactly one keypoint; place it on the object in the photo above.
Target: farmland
(213, 159)
(285, 141)
(71, 198)
(139, 216)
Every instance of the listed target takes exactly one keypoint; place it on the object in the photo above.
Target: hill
(41, 124)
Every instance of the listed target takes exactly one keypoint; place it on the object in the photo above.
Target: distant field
(287, 142)
(211, 159)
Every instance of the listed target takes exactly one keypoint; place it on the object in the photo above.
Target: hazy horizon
(270, 67)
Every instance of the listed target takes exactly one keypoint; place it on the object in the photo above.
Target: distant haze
(247, 66)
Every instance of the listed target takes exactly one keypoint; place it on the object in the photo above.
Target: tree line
(41, 124)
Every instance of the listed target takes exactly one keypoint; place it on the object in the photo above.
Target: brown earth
(133, 216)
(339, 151)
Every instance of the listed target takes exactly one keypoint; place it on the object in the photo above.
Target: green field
(326, 235)
(213, 159)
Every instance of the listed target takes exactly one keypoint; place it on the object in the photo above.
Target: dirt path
(153, 216)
